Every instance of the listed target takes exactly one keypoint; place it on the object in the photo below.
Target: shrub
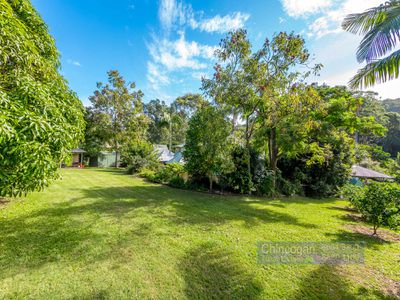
(264, 183)
(287, 187)
(166, 174)
(138, 155)
(147, 173)
(238, 180)
(378, 202)
(177, 182)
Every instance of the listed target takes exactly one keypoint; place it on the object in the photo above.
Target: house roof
(357, 171)
(163, 152)
(78, 150)
(178, 158)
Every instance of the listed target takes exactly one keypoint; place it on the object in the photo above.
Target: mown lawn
(102, 234)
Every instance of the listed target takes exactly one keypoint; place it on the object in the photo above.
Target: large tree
(121, 109)
(40, 117)
(231, 86)
(380, 27)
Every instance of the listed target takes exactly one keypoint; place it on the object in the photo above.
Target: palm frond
(382, 38)
(361, 23)
(380, 71)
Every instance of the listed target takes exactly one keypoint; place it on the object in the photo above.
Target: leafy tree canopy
(40, 117)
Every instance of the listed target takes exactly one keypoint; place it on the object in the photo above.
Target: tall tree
(206, 151)
(40, 117)
(121, 107)
(380, 27)
(231, 85)
(287, 105)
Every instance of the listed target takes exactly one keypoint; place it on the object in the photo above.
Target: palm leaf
(363, 22)
(380, 71)
(382, 38)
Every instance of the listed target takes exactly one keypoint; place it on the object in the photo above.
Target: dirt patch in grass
(352, 217)
(383, 235)
(3, 201)
(370, 278)
(344, 208)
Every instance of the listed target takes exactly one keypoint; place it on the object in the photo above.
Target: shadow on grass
(188, 207)
(327, 282)
(212, 273)
(369, 240)
(57, 233)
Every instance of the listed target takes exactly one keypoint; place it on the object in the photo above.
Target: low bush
(378, 202)
(171, 174)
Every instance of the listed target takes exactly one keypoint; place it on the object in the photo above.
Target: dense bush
(171, 174)
(378, 202)
(138, 155)
(238, 180)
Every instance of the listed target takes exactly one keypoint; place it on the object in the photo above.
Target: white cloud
(171, 56)
(171, 12)
(390, 89)
(221, 24)
(74, 62)
(303, 8)
(325, 16)
(180, 53)
(330, 21)
(155, 76)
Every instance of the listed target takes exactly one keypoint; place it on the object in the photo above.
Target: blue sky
(166, 46)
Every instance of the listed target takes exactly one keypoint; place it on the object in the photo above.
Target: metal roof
(178, 158)
(357, 171)
(163, 152)
(78, 150)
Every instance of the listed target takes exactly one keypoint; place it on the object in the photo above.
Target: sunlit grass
(102, 234)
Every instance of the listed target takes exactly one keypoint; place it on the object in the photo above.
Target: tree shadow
(188, 207)
(210, 272)
(28, 242)
(349, 236)
(56, 232)
(327, 282)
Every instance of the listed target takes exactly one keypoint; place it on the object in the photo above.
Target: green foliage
(138, 155)
(378, 202)
(117, 114)
(40, 117)
(207, 151)
(171, 174)
(169, 123)
(392, 105)
(380, 28)
(238, 180)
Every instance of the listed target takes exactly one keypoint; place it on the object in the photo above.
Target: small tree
(378, 202)
(207, 150)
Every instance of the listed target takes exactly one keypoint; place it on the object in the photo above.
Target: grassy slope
(101, 234)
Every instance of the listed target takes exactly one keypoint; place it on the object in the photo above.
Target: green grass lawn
(102, 234)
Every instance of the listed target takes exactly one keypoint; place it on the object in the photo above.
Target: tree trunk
(234, 119)
(273, 153)
(375, 229)
(210, 178)
(116, 159)
(170, 135)
(248, 149)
